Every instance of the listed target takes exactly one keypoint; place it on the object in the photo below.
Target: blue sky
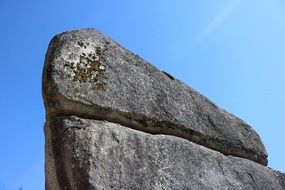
(232, 51)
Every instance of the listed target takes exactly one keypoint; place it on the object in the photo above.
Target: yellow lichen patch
(82, 75)
(95, 65)
(89, 68)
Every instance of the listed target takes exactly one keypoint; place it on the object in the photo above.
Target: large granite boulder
(116, 122)
(89, 75)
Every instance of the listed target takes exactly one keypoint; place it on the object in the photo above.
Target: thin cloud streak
(219, 18)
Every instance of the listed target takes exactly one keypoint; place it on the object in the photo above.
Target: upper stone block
(88, 75)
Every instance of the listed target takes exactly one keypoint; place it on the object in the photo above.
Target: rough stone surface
(90, 154)
(88, 75)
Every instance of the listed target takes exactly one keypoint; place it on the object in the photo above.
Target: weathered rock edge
(121, 87)
(90, 154)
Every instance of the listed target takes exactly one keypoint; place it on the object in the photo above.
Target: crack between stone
(133, 128)
(149, 125)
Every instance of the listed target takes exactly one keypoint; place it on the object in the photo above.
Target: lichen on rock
(88, 66)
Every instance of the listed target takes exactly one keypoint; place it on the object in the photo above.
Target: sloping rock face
(116, 122)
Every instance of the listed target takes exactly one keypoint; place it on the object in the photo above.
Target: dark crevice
(251, 177)
(168, 75)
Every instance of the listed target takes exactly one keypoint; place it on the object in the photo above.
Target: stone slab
(89, 154)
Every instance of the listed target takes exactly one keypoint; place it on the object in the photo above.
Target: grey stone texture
(88, 75)
(90, 154)
(114, 121)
